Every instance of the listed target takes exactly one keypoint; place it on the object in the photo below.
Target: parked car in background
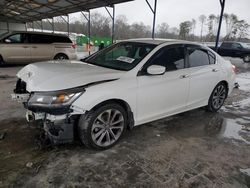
(124, 85)
(234, 49)
(26, 47)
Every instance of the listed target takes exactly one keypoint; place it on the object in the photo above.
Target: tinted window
(198, 57)
(171, 58)
(48, 39)
(226, 45)
(61, 39)
(40, 39)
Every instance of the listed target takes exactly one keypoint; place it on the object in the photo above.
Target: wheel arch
(124, 104)
(226, 84)
(60, 53)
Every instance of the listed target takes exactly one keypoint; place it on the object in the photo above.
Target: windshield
(121, 56)
(245, 45)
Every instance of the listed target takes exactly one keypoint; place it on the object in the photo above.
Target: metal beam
(68, 24)
(42, 25)
(8, 26)
(153, 10)
(53, 25)
(113, 21)
(88, 20)
(222, 3)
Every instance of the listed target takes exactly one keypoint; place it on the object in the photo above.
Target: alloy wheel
(107, 127)
(219, 96)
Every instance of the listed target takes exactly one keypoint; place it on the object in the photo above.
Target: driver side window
(17, 38)
(173, 58)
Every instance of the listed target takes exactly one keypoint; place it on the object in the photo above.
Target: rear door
(41, 47)
(204, 75)
(15, 48)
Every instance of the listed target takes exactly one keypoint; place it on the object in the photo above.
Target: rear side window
(40, 39)
(61, 39)
(172, 58)
(48, 39)
(212, 58)
(226, 45)
(198, 57)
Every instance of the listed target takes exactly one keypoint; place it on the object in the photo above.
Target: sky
(174, 12)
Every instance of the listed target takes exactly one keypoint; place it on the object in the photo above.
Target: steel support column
(88, 20)
(222, 3)
(53, 25)
(42, 25)
(68, 23)
(8, 26)
(113, 22)
(154, 18)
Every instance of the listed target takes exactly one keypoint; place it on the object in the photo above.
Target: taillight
(73, 46)
(234, 69)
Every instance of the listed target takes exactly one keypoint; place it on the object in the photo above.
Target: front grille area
(20, 87)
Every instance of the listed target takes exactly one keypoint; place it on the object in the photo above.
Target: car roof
(158, 41)
(35, 32)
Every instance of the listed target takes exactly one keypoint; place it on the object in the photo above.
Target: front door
(16, 49)
(162, 95)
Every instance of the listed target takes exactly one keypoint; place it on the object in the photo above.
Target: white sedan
(127, 84)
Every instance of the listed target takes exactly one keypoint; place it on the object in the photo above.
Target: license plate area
(20, 97)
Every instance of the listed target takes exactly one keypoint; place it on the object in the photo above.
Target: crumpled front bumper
(59, 129)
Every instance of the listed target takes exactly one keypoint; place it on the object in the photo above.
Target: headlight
(56, 98)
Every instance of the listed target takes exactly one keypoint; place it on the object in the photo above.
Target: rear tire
(246, 58)
(217, 98)
(102, 127)
(61, 57)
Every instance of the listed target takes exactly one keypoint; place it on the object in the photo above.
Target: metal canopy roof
(34, 10)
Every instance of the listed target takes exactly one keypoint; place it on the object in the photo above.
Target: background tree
(185, 28)
(163, 30)
(202, 19)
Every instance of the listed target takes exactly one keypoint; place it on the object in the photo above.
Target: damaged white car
(127, 84)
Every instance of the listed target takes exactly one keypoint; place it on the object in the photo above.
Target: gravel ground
(192, 149)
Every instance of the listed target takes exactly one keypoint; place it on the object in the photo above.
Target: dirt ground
(192, 149)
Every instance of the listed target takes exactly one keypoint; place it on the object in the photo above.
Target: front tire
(217, 98)
(101, 128)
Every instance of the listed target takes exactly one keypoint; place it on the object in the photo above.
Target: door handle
(215, 70)
(184, 76)
(25, 46)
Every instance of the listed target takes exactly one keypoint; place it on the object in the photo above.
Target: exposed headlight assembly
(56, 98)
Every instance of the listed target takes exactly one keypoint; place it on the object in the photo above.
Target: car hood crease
(55, 75)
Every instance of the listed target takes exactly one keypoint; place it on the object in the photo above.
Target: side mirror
(156, 70)
(7, 40)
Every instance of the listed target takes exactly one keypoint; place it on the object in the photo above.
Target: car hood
(55, 75)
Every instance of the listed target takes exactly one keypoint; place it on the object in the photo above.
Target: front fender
(94, 95)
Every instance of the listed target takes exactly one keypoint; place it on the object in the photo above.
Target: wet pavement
(192, 149)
